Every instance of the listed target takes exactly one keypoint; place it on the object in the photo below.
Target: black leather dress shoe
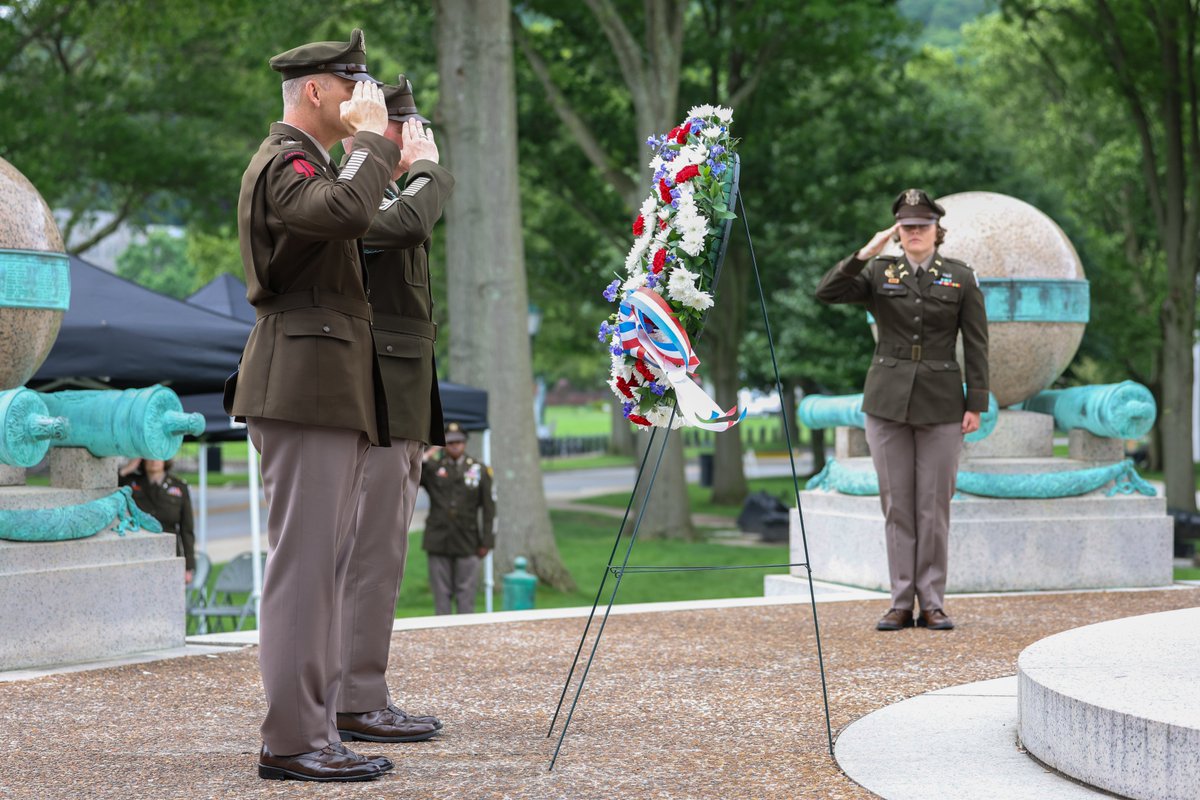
(935, 619)
(383, 762)
(327, 764)
(895, 619)
(425, 719)
(383, 725)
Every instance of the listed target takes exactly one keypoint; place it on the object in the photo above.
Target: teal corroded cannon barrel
(826, 411)
(27, 428)
(1124, 410)
(145, 423)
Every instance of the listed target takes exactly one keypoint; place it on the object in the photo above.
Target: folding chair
(197, 594)
(236, 578)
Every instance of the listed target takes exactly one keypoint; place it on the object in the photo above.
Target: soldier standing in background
(397, 257)
(308, 387)
(459, 488)
(913, 399)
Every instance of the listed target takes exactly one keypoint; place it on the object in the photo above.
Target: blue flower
(718, 169)
(650, 141)
(658, 388)
(675, 193)
(605, 330)
(660, 174)
(610, 293)
(696, 125)
(627, 409)
(716, 150)
(670, 256)
(617, 349)
(669, 155)
(651, 280)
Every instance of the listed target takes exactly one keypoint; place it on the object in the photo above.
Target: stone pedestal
(996, 545)
(12, 476)
(76, 468)
(1086, 446)
(1018, 434)
(1112, 705)
(850, 443)
(86, 599)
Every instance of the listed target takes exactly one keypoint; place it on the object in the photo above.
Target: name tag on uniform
(893, 289)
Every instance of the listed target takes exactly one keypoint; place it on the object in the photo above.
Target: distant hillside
(942, 19)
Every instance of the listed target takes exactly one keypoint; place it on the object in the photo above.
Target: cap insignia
(912, 197)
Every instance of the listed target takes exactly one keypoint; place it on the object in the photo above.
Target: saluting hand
(418, 145)
(365, 110)
(877, 243)
(970, 422)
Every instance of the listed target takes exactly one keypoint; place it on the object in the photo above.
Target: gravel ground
(689, 704)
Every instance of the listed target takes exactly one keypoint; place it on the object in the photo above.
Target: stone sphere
(34, 278)
(1033, 283)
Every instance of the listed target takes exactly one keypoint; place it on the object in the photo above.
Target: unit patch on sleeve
(299, 161)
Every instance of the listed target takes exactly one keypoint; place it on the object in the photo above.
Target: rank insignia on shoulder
(415, 186)
(299, 161)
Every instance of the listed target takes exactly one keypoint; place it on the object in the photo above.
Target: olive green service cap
(400, 103)
(344, 59)
(914, 207)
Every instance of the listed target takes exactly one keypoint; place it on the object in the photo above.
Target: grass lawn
(701, 498)
(585, 541)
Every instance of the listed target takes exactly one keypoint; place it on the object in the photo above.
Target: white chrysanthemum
(682, 289)
(660, 417)
(635, 281)
(723, 115)
(639, 248)
(620, 369)
(648, 206)
(655, 163)
(711, 132)
(701, 111)
(690, 155)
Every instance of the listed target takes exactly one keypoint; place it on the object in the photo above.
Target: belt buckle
(916, 352)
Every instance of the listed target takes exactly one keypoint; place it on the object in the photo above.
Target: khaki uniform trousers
(453, 577)
(311, 479)
(385, 510)
(917, 467)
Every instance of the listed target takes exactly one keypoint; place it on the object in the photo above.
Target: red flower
(687, 173)
(639, 420)
(682, 134)
(673, 134)
(662, 224)
(644, 372)
(664, 191)
(639, 226)
(624, 387)
(660, 260)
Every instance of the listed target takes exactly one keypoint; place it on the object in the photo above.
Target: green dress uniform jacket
(456, 493)
(397, 250)
(310, 358)
(170, 503)
(914, 376)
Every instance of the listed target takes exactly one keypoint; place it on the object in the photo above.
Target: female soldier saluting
(914, 403)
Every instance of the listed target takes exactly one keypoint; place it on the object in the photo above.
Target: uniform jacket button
(915, 337)
(325, 328)
(389, 348)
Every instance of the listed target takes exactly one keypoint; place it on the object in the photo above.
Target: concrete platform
(958, 743)
(1115, 704)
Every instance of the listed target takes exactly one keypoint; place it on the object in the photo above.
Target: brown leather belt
(394, 323)
(914, 352)
(313, 298)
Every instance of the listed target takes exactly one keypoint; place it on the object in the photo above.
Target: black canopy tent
(119, 335)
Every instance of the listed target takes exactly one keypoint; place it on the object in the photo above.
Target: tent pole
(489, 566)
(202, 527)
(255, 532)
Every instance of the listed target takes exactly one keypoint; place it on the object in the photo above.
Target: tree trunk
(722, 337)
(790, 385)
(489, 336)
(818, 450)
(621, 440)
(1175, 418)
(668, 515)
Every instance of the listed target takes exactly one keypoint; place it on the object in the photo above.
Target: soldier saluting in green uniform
(164, 496)
(455, 538)
(914, 403)
(397, 249)
(308, 387)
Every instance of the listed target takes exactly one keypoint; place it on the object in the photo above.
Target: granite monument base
(1111, 705)
(85, 599)
(998, 545)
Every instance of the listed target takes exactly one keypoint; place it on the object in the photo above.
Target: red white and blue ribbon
(650, 332)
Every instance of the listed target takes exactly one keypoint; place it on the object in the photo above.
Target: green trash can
(519, 587)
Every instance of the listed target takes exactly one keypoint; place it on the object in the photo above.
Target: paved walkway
(686, 703)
